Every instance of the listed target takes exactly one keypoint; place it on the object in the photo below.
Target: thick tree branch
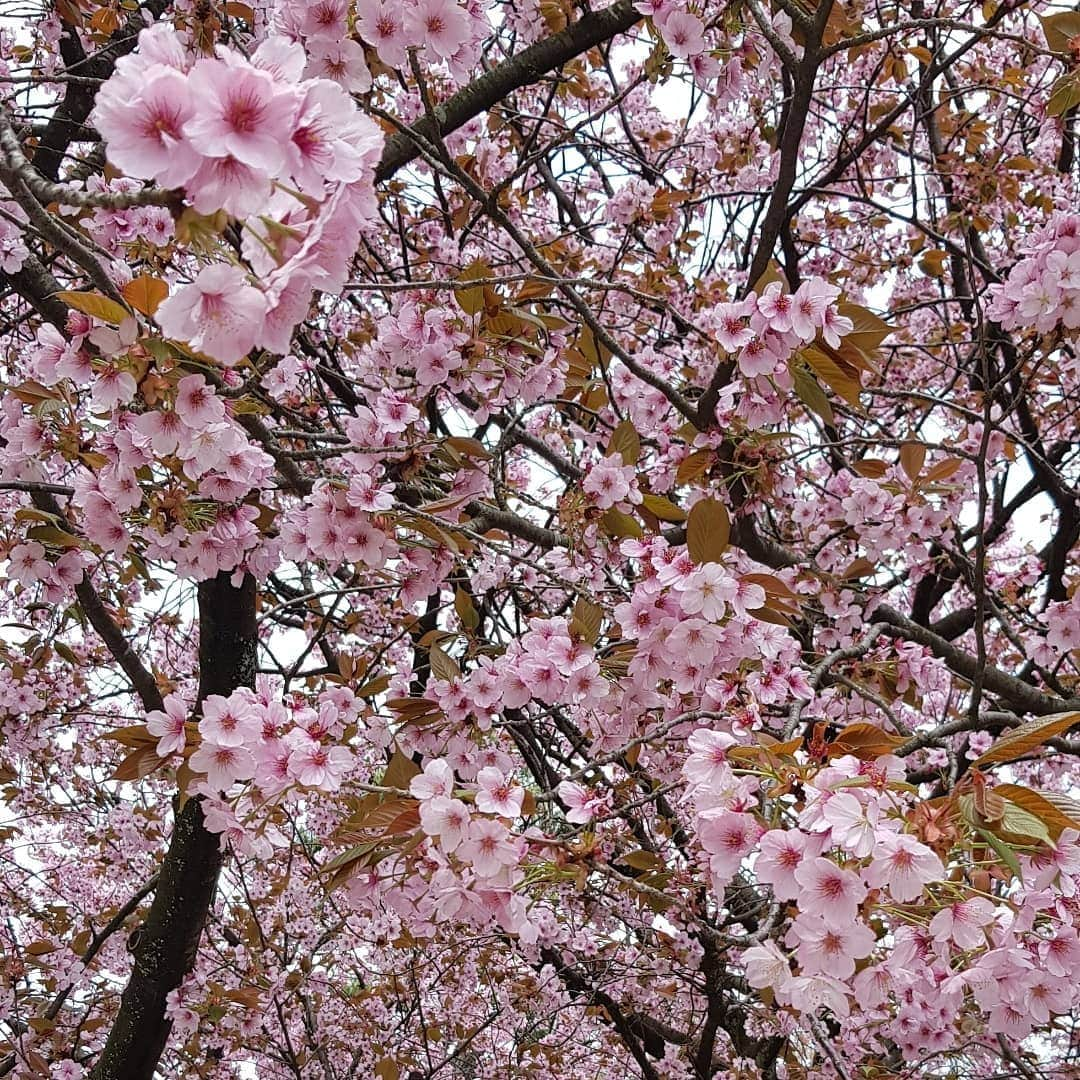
(67, 123)
(1020, 695)
(166, 945)
(528, 66)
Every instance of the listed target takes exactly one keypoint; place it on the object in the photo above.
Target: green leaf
(1016, 821)
(54, 537)
(1064, 95)
(1056, 817)
(471, 301)
(1060, 29)
(1004, 852)
(811, 395)
(616, 523)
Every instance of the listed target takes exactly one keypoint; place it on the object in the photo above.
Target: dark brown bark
(528, 66)
(164, 947)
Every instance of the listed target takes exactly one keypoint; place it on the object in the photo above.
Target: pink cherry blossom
(440, 25)
(146, 133)
(229, 184)
(963, 922)
(829, 891)
(381, 23)
(853, 824)
(488, 847)
(583, 804)
(707, 764)
(437, 779)
(684, 34)
(27, 563)
(223, 765)
(732, 331)
(781, 853)
(904, 866)
(227, 721)
(218, 313)
(766, 966)
(242, 114)
(729, 837)
(707, 591)
(824, 948)
(169, 726)
(496, 795)
(448, 819)
(316, 766)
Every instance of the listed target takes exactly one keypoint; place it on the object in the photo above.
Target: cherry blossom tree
(539, 539)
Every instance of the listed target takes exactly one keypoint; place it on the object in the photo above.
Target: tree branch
(167, 943)
(1017, 693)
(528, 66)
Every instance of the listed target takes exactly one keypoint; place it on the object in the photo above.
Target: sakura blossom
(169, 725)
(539, 540)
(218, 313)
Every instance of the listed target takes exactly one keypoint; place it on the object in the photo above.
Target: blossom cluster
(691, 622)
(121, 231)
(13, 250)
(1043, 288)
(548, 663)
(191, 426)
(252, 735)
(1062, 620)
(851, 862)
(484, 843)
(232, 132)
(441, 29)
(763, 330)
(28, 565)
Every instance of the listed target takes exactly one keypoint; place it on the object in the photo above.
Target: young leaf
(443, 665)
(708, 529)
(145, 293)
(663, 508)
(400, 771)
(625, 442)
(1054, 816)
(809, 392)
(912, 459)
(1027, 737)
(864, 741)
(616, 523)
(139, 763)
(466, 610)
(95, 305)
(1004, 852)
(586, 620)
(692, 466)
(1060, 29)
